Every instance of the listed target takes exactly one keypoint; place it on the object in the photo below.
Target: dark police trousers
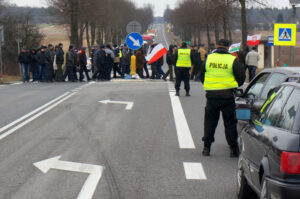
(182, 74)
(212, 115)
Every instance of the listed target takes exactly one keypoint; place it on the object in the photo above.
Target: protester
(50, 54)
(252, 62)
(59, 62)
(24, 60)
(125, 61)
(140, 61)
(34, 66)
(99, 63)
(116, 67)
(70, 63)
(109, 62)
(82, 64)
(41, 58)
(154, 65)
(170, 62)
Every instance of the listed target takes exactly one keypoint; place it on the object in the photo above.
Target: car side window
(257, 86)
(287, 118)
(275, 80)
(273, 112)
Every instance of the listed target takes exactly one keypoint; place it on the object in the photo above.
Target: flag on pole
(253, 40)
(234, 48)
(157, 52)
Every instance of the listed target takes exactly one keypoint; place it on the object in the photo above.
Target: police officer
(220, 75)
(183, 60)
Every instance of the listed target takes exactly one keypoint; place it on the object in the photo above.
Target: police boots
(177, 93)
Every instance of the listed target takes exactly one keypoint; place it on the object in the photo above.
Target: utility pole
(294, 19)
(1, 43)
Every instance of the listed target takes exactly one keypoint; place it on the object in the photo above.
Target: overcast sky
(159, 5)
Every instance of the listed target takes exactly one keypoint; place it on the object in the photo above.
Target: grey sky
(159, 5)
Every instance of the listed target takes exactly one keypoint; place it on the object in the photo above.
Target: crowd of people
(49, 64)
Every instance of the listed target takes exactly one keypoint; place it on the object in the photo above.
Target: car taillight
(290, 163)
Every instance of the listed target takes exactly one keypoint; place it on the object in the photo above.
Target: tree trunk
(225, 26)
(74, 22)
(208, 35)
(93, 33)
(217, 31)
(87, 32)
(244, 23)
(199, 35)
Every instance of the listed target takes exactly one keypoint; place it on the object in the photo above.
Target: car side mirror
(243, 114)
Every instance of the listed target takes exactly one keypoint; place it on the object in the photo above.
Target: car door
(264, 131)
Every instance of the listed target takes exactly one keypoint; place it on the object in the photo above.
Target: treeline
(18, 26)
(100, 20)
(222, 17)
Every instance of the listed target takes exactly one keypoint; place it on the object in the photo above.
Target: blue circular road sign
(134, 41)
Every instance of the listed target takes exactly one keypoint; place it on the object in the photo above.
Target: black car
(269, 161)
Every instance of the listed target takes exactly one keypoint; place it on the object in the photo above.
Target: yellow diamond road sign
(285, 34)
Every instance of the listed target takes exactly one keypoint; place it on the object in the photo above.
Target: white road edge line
(11, 131)
(185, 138)
(194, 171)
(32, 113)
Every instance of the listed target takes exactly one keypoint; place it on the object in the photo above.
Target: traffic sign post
(1, 43)
(271, 44)
(134, 41)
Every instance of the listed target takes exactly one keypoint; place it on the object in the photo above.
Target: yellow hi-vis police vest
(219, 73)
(120, 54)
(184, 58)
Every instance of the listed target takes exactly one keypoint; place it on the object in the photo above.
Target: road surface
(130, 147)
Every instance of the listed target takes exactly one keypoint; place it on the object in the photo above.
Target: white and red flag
(157, 52)
(253, 40)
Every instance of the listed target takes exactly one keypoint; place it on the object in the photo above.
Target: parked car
(269, 161)
(257, 92)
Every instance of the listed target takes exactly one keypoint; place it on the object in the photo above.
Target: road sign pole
(272, 57)
(292, 55)
(278, 55)
(1, 62)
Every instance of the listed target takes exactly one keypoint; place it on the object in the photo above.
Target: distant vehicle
(89, 63)
(269, 163)
(148, 39)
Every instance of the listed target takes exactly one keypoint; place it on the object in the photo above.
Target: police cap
(223, 42)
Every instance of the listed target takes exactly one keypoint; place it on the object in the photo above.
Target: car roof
(295, 84)
(286, 70)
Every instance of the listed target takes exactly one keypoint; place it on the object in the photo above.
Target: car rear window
(289, 112)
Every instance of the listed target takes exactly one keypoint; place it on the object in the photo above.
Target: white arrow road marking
(194, 171)
(90, 184)
(185, 138)
(135, 42)
(128, 107)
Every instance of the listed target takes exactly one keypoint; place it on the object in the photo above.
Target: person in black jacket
(221, 74)
(99, 63)
(170, 64)
(24, 60)
(41, 58)
(82, 64)
(34, 66)
(50, 54)
(70, 62)
(59, 62)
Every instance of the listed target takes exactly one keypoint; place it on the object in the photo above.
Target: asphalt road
(145, 152)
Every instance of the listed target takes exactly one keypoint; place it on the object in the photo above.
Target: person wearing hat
(221, 75)
(50, 54)
(24, 60)
(183, 64)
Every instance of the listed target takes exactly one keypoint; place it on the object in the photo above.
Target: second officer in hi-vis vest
(183, 63)
(221, 75)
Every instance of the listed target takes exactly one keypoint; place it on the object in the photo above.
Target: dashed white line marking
(194, 171)
(185, 138)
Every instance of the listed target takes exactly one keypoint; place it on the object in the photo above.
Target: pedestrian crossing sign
(285, 34)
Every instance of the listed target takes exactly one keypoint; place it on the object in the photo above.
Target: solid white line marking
(129, 105)
(194, 171)
(32, 113)
(18, 83)
(90, 184)
(185, 138)
(11, 131)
